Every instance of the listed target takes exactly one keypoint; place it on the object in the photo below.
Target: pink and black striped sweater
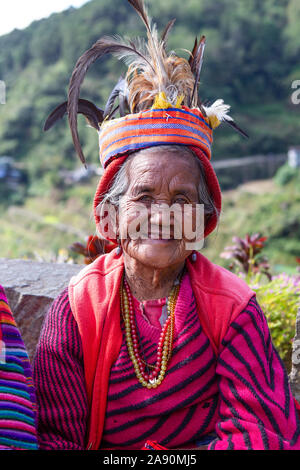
(240, 399)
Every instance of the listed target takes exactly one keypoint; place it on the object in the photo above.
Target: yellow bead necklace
(165, 343)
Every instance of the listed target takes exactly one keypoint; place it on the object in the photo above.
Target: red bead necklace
(164, 348)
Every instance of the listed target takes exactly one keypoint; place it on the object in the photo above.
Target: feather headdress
(155, 79)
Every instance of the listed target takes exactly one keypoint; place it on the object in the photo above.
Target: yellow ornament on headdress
(213, 121)
(161, 102)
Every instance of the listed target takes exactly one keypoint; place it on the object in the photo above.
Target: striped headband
(152, 128)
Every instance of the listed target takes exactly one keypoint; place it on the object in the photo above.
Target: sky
(20, 13)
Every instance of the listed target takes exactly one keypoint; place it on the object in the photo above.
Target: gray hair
(121, 182)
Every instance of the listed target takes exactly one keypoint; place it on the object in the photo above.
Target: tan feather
(165, 34)
(181, 76)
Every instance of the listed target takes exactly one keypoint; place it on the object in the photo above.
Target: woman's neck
(146, 282)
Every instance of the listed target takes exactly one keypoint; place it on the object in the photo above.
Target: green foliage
(292, 27)
(48, 222)
(265, 206)
(250, 60)
(286, 174)
(278, 296)
(279, 300)
(11, 195)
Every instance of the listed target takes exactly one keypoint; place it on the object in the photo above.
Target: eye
(145, 198)
(180, 200)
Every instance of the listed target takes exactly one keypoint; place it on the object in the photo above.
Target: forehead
(163, 165)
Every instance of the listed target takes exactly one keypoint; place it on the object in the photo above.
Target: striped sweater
(17, 400)
(242, 396)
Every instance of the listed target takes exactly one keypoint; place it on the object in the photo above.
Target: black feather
(196, 65)
(193, 53)
(99, 49)
(93, 114)
(237, 128)
(117, 90)
(55, 115)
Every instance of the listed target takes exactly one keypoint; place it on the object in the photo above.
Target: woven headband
(152, 128)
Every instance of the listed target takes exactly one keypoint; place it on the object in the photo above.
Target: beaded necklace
(153, 378)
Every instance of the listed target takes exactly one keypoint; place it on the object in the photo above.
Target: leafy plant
(285, 174)
(278, 296)
(279, 300)
(246, 255)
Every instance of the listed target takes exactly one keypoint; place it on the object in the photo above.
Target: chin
(158, 253)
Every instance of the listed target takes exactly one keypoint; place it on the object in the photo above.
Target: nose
(161, 220)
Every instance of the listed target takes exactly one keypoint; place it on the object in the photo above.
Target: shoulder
(61, 303)
(59, 331)
(104, 265)
(251, 319)
(220, 297)
(218, 281)
(59, 314)
(96, 284)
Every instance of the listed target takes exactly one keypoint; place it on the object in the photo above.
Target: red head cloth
(120, 137)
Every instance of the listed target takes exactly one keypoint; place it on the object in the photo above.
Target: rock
(295, 371)
(30, 288)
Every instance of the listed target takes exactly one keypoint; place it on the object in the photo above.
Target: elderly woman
(153, 342)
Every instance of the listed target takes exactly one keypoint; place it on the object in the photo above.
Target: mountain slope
(249, 61)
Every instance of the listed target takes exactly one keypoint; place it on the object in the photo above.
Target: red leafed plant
(246, 255)
(93, 248)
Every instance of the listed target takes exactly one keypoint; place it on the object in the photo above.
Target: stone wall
(31, 287)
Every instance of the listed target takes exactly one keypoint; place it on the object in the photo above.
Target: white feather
(219, 109)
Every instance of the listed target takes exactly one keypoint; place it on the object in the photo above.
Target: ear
(93, 115)
(107, 223)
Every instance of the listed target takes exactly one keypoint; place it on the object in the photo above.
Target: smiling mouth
(155, 237)
(159, 239)
(159, 236)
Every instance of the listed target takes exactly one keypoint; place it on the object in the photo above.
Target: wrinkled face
(149, 231)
